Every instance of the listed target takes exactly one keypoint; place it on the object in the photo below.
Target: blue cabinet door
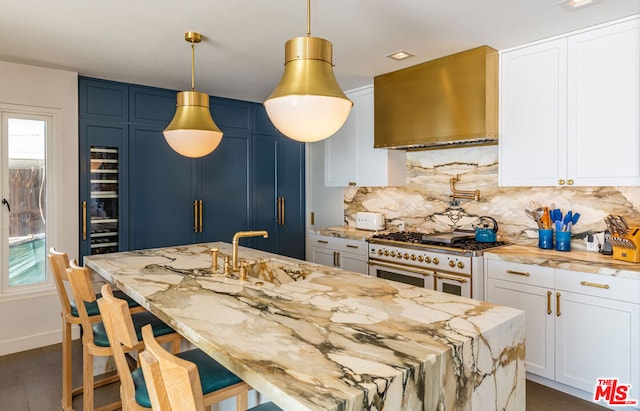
(150, 105)
(103, 100)
(291, 179)
(162, 191)
(264, 190)
(224, 188)
(104, 207)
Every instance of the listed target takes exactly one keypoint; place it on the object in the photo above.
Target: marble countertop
(345, 232)
(312, 337)
(584, 261)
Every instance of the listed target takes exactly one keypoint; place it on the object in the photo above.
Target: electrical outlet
(401, 225)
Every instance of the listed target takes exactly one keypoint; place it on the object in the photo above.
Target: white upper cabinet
(351, 160)
(570, 110)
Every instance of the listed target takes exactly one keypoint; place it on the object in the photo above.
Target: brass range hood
(448, 102)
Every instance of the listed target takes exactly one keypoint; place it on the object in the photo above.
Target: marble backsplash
(424, 203)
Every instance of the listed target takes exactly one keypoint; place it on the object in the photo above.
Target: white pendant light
(308, 104)
(192, 132)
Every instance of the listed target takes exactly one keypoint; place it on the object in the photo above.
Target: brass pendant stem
(193, 66)
(308, 18)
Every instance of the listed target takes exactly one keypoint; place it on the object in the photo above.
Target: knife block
(626, 247)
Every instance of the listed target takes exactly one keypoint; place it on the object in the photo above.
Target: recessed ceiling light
(400, 55)
(574, 4)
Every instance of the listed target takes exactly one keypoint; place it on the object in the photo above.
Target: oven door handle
(400, 267)
(452, 278)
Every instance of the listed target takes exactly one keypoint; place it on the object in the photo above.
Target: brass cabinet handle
(596, 285)
(518, 273)
(200, 204)
(558, 304)
(549, 302)
(84, 220)
(279, 206)
(561, 182)
(570, 182)
(195, 216)
(352, 183)
(282, 218)
(313, 218)
(446, 277)
(423, 273)
(352, 246)
(336, 259)
(323, 241)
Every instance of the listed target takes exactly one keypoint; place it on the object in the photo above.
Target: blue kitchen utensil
(567, 220)
(575, 218)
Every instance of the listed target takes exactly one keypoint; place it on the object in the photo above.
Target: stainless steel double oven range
(448, 262)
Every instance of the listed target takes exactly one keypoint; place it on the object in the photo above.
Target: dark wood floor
(31, 381)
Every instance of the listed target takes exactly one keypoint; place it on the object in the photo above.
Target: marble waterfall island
(311, 337)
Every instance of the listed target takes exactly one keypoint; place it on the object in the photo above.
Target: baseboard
(30, 342)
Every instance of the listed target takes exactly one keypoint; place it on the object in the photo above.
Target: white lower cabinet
(579, 326)
(338, 252)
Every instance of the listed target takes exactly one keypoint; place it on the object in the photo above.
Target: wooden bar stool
(95, 341)
(59, 263)
(174, 383)
(220, 383)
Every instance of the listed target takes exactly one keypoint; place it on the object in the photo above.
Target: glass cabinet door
(103, 207)
(103, 188)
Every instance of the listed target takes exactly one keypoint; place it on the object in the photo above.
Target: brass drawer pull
(518, 273)
(323, 241)
(558, 304)
(446, 277)
(596, 285)
(549, 302)
(352, 246)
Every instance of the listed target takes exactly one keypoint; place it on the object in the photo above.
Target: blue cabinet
(278, 189)
(166, 199)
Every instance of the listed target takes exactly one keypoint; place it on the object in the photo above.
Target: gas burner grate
(417, 238)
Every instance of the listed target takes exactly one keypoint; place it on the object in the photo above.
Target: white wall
(34, 321)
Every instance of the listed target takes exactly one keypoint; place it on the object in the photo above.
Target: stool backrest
(118, 324)
(59, 263)
(82, 290)
(173, 383)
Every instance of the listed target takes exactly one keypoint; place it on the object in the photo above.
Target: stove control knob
(386, 253)
(427, 260)
(452, 263)
(413, 257)
(420, 258)
(436, 261)
(406, 256)
(399, 254)
(393, 254)
(379, 252)
(460, 264)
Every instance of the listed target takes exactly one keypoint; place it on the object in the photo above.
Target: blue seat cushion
(213, 376)
(267, 406)
(139, 320)
(92, 308)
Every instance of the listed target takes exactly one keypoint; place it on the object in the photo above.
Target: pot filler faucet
(237, 236)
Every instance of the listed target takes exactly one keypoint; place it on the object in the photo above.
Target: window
(23, 161)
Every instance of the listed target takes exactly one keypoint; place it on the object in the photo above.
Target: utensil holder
(563, 240)
(545, 239)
